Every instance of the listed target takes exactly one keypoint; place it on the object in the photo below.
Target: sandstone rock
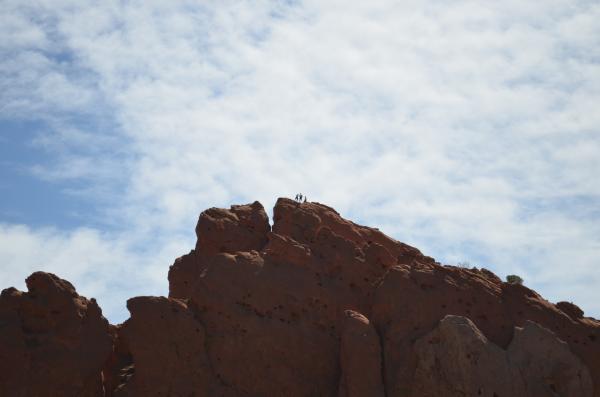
(119, 368)
(316, 265)
(167, 345)
(53, 342)
(570, 309)
(268, 326)
(314, 306)
(456, 359)
(411, 301)
(302, 222)
(241, 228)
(360, 358)
(282, 307)
(546, 364)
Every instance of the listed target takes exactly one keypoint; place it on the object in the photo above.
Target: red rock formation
(242, 228)
(119, 368)
(495, 307)
(313, 267)
(53, 342)
(168, 345)
(320, 306)
(360, 358)
(279, 301)
(456, 359)
(546, 364)
(570, 309)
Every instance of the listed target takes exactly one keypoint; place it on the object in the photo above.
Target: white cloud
(442, 122)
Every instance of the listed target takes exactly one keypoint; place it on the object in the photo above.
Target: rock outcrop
(168, 344)
(456, 359)
(313, 306)
(360, 358)
(53, 342)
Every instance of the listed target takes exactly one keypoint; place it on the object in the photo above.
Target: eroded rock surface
(168, 346)
(281, 306)
(456, 359)
(360, 358)
(496, 308)
(319, 306)
(53, 342)
(312, 269)
(546, 364)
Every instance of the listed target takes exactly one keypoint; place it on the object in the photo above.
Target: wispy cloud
(467, 129)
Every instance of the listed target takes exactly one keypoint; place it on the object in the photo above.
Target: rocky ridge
(313, 306)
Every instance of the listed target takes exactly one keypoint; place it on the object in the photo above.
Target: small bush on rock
(514, 279)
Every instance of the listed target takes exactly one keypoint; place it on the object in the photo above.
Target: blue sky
(467, 129)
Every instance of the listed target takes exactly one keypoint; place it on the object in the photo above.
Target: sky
(468, 129)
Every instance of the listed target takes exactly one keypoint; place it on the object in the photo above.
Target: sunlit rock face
(313, 305)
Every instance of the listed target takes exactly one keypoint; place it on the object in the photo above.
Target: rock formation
(313, 306)
(456, 359)
(53, 342)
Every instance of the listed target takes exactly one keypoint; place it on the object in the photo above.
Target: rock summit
(314, 305)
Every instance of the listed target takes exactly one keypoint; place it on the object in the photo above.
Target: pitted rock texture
(53, 342)
(496, 308)
(456, 359)
(319, 306)
(289, 297)
(281, 305)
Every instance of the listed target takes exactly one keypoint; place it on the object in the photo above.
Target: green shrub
(514, 279)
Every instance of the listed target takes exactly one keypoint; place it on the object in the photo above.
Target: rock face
(168, 344)
(360, 358)
(313, 306)
(53, 342)
(456, 359)
(546, 364)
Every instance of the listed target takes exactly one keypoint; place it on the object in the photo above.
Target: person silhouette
(305, 199)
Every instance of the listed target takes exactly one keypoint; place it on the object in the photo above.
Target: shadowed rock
(53, 342)
(546, 364)
(570, 309)
(456, 359)
(360, 358)
(168, 346)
